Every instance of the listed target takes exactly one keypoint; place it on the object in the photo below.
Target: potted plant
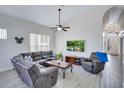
(59, 56)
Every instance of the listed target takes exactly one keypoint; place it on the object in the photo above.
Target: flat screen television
(75, 45)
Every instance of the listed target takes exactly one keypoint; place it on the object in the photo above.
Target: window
(39, 42)
(3, 33)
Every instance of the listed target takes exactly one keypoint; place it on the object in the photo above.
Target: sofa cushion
(34, 71)
(42, 54)
(25, 63)
(36, 56)
(45, 53)
(50, 53)
(43, 70)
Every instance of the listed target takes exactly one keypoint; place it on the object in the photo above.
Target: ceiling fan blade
(66, 27)
(58, 25)
(53, 27)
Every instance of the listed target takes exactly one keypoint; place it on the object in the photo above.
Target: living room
(22, 30)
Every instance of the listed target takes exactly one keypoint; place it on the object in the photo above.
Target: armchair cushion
(88, 63)
(86, 59)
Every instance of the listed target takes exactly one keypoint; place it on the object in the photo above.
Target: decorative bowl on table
(58, 62)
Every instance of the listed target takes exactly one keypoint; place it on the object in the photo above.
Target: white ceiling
(44, 14)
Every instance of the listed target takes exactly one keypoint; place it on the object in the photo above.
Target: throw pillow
(28, 58)
(102, 56)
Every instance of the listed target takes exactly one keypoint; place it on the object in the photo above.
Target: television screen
(75, 45)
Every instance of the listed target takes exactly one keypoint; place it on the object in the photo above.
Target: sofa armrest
(97, 67)
(22, 66)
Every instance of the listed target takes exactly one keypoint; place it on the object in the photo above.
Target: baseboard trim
(5, 69)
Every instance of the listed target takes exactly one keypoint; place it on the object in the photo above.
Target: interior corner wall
(86, 27)
(18, 28)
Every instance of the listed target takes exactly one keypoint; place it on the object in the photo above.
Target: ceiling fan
(59, 27)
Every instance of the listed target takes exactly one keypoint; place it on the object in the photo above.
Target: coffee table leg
(64, 73)
(71, 68)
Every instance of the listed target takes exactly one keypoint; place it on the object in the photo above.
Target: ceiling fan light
(59, 29)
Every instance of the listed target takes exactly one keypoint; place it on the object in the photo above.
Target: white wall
(86, 27)
(19, 28)
(122, 56)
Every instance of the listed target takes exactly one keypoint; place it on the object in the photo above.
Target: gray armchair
(92, 64)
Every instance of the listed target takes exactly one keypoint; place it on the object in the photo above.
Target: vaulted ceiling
(45, 14)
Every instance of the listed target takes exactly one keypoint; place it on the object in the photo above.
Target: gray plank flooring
(111, 77)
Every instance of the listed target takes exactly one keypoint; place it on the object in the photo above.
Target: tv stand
(73, 60)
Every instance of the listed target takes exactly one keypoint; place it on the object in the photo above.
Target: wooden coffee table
(61, 64)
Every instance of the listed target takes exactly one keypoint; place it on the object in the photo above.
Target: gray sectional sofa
(31, 70)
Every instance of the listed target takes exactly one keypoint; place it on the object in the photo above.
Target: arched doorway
(111, 30)
(113, 23)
